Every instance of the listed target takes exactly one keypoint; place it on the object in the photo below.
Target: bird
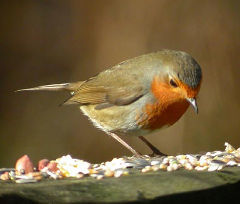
(137, 96)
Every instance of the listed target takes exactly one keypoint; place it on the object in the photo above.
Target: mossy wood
(167, 187)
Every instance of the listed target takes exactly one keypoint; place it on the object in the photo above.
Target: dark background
(44, 42)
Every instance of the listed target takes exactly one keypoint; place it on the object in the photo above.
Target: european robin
(137, 96)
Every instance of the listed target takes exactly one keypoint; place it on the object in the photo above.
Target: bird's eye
(173, 83)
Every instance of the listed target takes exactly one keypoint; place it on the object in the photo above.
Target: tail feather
(56, 87)
(51, 87)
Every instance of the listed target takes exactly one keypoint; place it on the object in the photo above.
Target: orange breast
(166, 110)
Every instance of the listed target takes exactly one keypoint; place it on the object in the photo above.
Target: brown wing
(105, 96)
(106, 90)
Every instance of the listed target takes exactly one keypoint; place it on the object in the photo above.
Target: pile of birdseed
(66, 166)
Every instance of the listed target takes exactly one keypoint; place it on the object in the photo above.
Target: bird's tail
(55, 87)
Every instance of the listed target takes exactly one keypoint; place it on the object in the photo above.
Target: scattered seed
(67, 166)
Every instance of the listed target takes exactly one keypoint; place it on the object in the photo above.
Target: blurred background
(53, 41)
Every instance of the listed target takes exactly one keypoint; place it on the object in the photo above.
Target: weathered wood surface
(165, 187)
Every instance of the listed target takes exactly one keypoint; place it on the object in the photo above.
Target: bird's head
(179, 80)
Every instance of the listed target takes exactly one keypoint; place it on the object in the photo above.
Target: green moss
(135, 187)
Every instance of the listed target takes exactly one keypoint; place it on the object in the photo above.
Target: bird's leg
(137, 154)
(153, 148)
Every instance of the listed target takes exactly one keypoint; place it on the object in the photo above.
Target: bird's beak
(193, 103)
